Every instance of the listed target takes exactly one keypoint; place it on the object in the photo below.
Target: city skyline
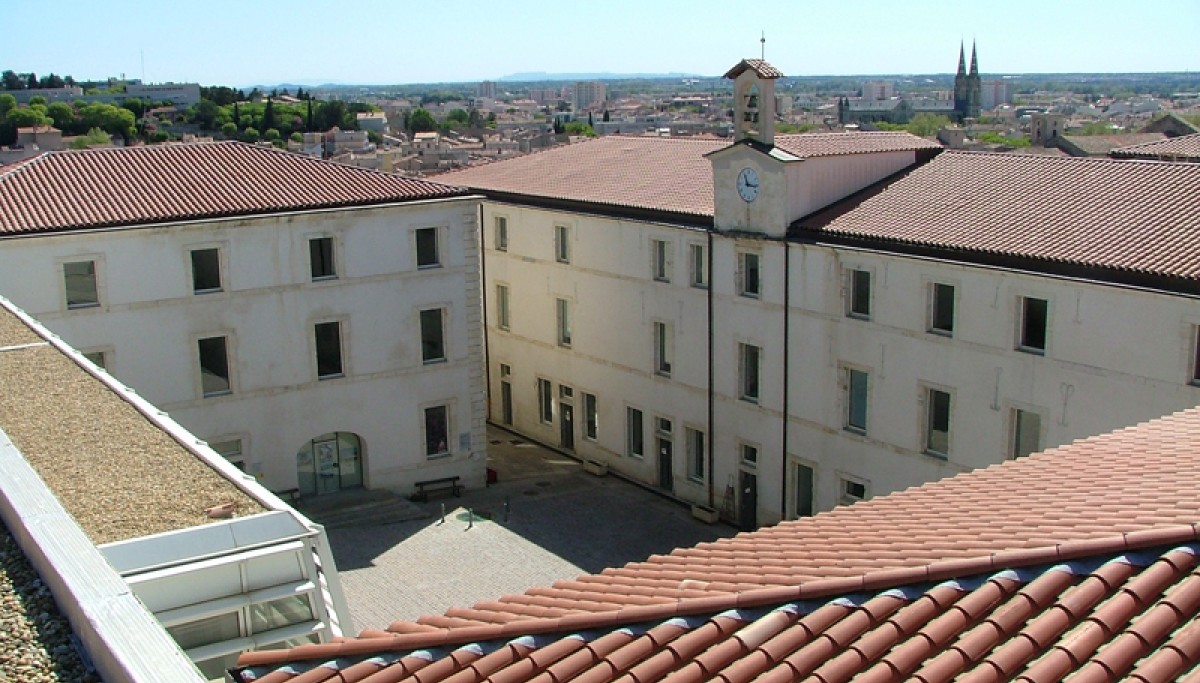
(241, 44)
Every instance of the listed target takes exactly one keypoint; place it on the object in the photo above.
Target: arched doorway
(330, 463)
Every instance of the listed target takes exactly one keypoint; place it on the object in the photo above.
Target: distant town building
(967, 87)
(994, 94)
(878, 90)
(588, 95)
(486, 89)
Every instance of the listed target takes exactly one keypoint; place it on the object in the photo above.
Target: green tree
(579, 128)
(205, 114)
(420, 120)
(111, 119)
(229, 130)
(27, 117)
(31, 82)
(63, 116)
(95, 136)
(250, 135)
(271, 134)
(297, 136)
(7, 103)
(51, 81)
(925, 124)
(36, 100)
(268, 117)
(12, 81)
(458, 116)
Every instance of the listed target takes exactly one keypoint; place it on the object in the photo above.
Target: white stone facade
(149, 322)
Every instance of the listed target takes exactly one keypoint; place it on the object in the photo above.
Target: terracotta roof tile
(1181, 148)
(758, 66)
(1066, 210)
(1050, 597)
(1103, 144)
(656, 174)
(137, 185)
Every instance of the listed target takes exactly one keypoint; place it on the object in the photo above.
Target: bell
(752, 101)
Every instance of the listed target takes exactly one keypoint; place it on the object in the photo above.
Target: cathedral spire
(974, 61)
(962, 59)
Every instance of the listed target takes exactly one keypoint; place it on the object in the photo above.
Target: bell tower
(754, 100)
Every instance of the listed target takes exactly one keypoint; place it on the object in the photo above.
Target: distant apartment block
(588, 94)
(878, 90)
(994, 94)
(486, 89)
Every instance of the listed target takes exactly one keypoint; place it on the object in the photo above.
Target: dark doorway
(567, 427)
(506, 404)
(748, 503)
(665, 455)
(804, 490)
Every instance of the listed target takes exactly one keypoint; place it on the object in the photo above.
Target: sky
(250, 42)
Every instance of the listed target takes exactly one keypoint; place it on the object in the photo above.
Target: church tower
(974, 88)
(960, 85)
(754, 100)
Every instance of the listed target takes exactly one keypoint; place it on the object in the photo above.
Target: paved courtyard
(399, 560)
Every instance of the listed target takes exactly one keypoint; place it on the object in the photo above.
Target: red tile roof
(657, 174)
(758, 66)
(1078, 561)
(1182, 148)
(1139, 217)
(135, 185)
(1100, 145)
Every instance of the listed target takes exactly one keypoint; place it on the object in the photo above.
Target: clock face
(747, 184)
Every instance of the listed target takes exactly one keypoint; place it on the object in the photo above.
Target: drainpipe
(712, 438)
(787, 354)
(487, 357)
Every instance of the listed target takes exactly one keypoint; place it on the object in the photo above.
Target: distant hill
(533, 76)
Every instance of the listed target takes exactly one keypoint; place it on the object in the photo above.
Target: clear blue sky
(377, 41)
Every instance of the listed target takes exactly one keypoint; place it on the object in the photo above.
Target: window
(1033, 325)
(748, 275)
(433, 343)
(562, 244)
(545, 401)
(427, 248)
(661, 250)
(501, 233)
(502, 311)
(748, 372)
(941, 309)
(852, 491)
(563, 317)
(662, 348)
(1027, 428)
(749, 455)
(635, 438)
(699, 265)
(206, 271)
(98, 358)
(320, 253)
(696, 455)
(231, 450)
(437, 430)
(937, 422)
(328, 337)
(860, 294)
(214, 366)
(80, 279)
(591, 419)
(856, 400)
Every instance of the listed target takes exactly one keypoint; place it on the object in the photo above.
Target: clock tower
(748, 176)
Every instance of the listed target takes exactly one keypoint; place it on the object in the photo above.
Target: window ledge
(82, 307)
(941, 333)
(215, 290)
(859, 316)
(857, 431)
(429, 266)
(437, 456)
(322, 378)
(218, 394)
(433, 361)
(325, 278)
(1031, 350)
(944, 457)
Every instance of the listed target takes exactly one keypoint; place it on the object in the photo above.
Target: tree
(229, 130)
(51, 81)
(95, 136)
(37, 100)
(308, 125)
(205, 113)
(7, 104)
(925, 124)
(27, 117)
(421, 121)
(31, 82)
(271, 134)
(458, 116)
(591, 124)
(605, 118)
(268, 117)
(63, 116)
(579, 128)
(250, 135)
(12, 81)
(111, 119)
(297, 137)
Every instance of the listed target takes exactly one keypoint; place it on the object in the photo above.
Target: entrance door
(748, 510)
(329, 463)
(804, 490)
(566, 426)
(665, 477)
(506, 404)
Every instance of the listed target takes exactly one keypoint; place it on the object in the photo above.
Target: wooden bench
(424, 488)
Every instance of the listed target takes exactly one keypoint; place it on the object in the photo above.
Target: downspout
(487, 357)
(712, 439)
(787, 354)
